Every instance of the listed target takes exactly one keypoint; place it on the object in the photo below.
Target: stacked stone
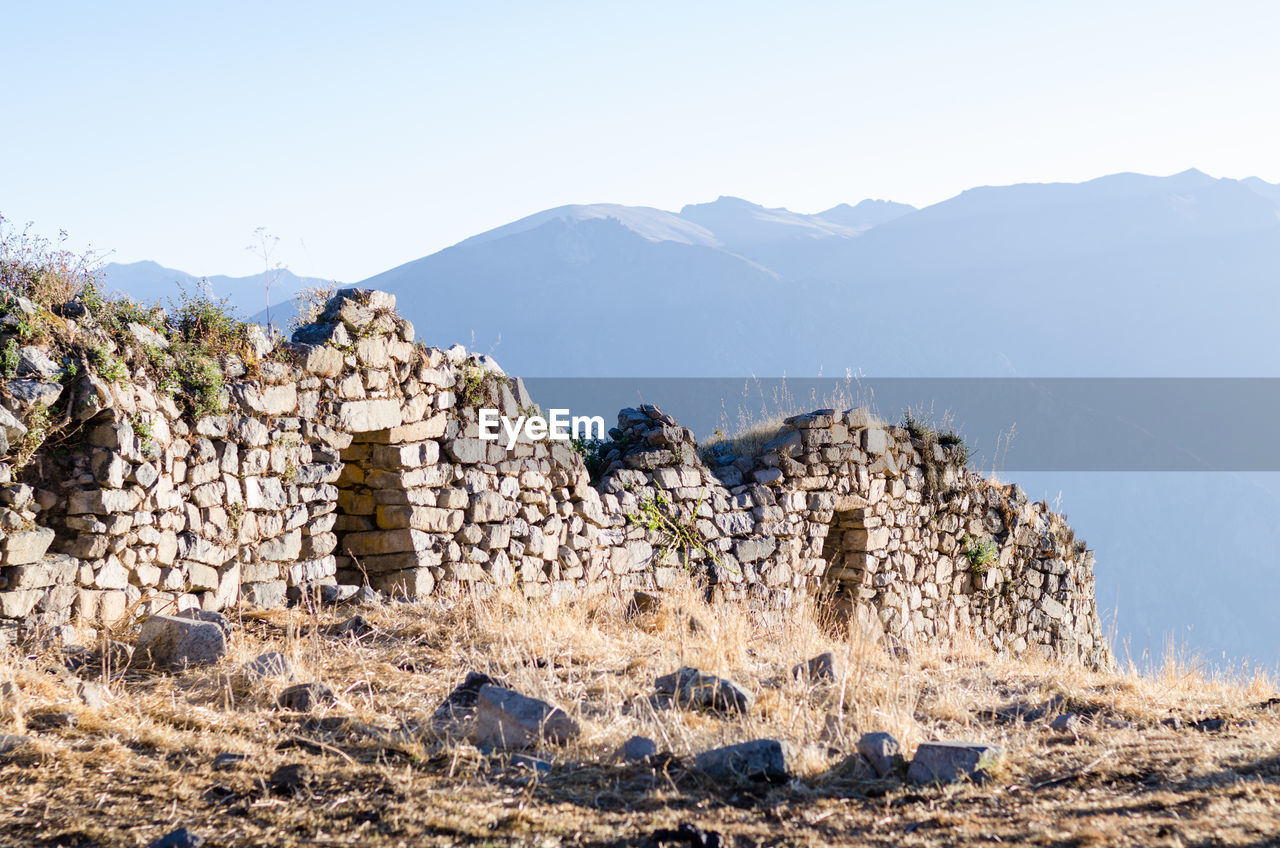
(530, 517)
(880, 522)
(33, 585)
(654, 466)
(891, 520)
(423, 500)
(354, 455)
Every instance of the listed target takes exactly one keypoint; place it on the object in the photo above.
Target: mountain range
(151, 282)
(1125, 275)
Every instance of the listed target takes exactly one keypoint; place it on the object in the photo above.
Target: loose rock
(636, 749)
(507, 719)
(269, 665)
(882, 751)
(304, 697)
(689, 687)
(825, 666)
(948, 762)
(172, 641)
(180, 838)
(760, 759)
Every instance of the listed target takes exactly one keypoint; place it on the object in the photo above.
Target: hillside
(1090, 758)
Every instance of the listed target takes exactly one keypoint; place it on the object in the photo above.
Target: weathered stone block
(102, 501)
(27, 546)
(488, 506)
(759, 759)
(18, 604)
(386, 542)
(284, 548)
(363, 416)
(507, 719)
(882, 751)
(948, 762)
(169, 641)
(696, 689)
(264, 493)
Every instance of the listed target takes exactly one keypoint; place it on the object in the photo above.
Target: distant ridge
(150, 281)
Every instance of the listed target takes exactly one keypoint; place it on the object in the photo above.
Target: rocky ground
(370, 725)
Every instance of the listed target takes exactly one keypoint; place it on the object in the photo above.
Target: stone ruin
(350, 456)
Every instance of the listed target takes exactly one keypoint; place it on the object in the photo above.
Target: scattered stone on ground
(52, 720)
(507, 719)
(180, 838)
(1066, 723)
(882, 751)
(290, 779)
(305, 697)
(948, 762)
(759, 759)
(689, 687)
(270, 665)
(228, 759)
(460, 705)
(636, 749)
(177, 641)
(824, 667)
(688, 835)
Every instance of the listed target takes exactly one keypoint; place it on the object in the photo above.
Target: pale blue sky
(368, 135)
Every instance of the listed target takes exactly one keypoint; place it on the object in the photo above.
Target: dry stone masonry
(350, 456)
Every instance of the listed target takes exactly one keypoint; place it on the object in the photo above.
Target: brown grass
(143, 766)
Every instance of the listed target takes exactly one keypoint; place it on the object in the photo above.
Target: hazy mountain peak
(866, 214)
(645, 221)
(736, 221)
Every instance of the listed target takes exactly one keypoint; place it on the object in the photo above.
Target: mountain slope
(149, 281)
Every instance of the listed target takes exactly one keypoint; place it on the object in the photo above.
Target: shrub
(593, 452)
(200, 379)
(43, 271)
(210, 324)
(310, 301)
(9, 359)
(981, 553)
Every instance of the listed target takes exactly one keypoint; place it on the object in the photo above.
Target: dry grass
(144, 765)
(762, 409)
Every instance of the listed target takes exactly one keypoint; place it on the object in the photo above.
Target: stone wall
(351, 456)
